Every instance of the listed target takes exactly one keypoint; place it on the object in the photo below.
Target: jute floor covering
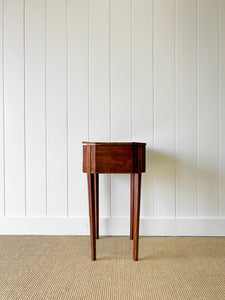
(59, 267)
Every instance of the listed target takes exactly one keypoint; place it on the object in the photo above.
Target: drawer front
(114, 159)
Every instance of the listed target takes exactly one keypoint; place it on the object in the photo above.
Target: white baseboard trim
(112, 226)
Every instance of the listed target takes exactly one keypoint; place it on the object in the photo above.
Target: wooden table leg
(96, 184)
(131, 205)
(137, 197)
(91, 196)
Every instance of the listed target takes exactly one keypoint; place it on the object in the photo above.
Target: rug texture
(59, 267)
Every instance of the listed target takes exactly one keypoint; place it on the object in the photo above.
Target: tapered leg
(96, 183)
(91, 196)
(131, 204)
(137, 197)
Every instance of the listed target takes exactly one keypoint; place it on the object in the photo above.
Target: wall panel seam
(131, 73)
(67, 116)
(219, 204)
(197, 121)
(46, 137)
(110, 107)
(88, 66)
(110, 96)
(175, 102)
(153, 96)
(3, 104)
(24, 91)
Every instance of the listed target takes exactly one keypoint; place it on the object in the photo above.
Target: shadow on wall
(172, 184)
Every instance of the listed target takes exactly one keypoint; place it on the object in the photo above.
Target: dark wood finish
(96, 185)
(114, 158)
(131, 204)
(91, 196)
(137, 197)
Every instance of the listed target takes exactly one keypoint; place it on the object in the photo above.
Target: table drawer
(114, 158)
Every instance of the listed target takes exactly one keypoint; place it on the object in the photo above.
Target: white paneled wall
(164, 109)
(35, 97)
(14, 108)
(78, 103)
(112, 70)
(142, 92)
(186, 108)
(99, 88)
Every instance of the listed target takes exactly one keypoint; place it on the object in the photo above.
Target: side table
(114, 158)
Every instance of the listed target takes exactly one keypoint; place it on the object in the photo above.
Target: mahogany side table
(114, 158)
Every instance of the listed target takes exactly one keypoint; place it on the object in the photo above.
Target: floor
(59, 267)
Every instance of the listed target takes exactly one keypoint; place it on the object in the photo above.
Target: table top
(114, 143)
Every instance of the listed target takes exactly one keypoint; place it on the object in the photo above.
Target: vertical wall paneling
(164, 125)
(112, 70)
(207, 66)
(120, 69)
(14, 107)
(142, 92)
(99, 98)
(186, 155)
(120, 42)
(222, 105)
(2, 172)
(56, 106)
(35, 107)
(77, 12)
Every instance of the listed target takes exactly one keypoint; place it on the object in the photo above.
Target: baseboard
(112, 226)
